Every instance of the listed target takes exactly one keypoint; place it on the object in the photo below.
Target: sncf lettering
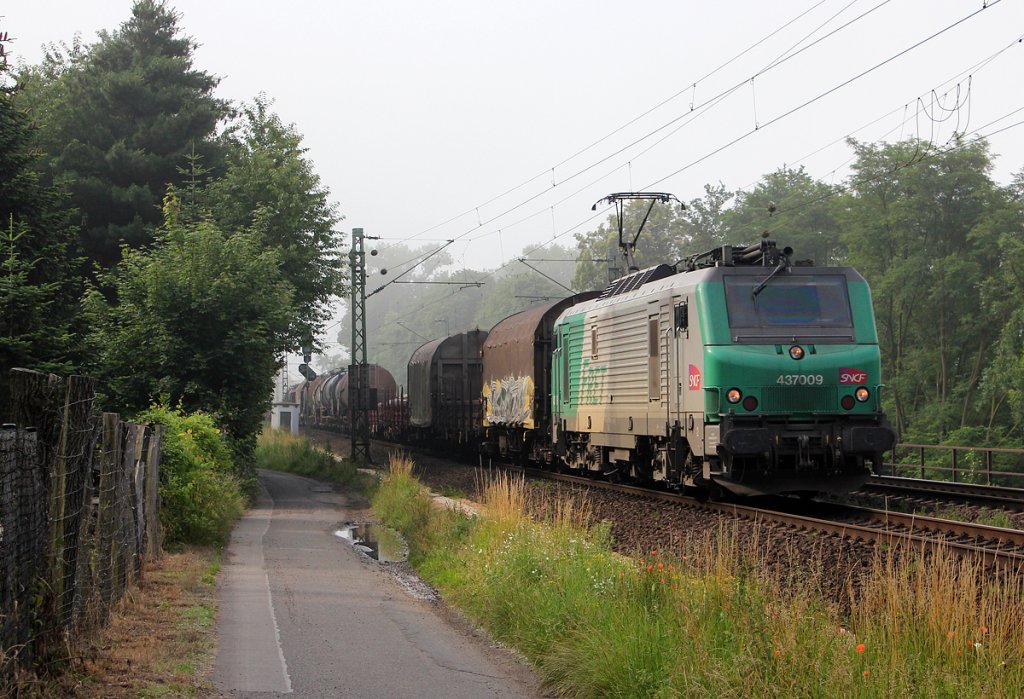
(852, 376)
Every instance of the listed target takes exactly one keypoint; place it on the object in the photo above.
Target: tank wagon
(325, 400)
(517, 382)
(445, 389)
(741, 372)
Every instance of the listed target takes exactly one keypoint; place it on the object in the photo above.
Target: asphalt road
(303, 613)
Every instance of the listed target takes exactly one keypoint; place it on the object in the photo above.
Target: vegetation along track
(858, 527)
(998, 545)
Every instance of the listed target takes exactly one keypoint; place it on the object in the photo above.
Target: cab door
(678, 374)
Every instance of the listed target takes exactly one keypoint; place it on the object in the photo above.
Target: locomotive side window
(565, 366)
(818, 300)
(682, 316)
(593, 342)
(653, 370)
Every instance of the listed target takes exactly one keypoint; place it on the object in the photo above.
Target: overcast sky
(477, 121)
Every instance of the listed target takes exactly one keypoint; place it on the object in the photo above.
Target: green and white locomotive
(737, 371)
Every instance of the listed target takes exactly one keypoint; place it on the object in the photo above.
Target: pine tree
(119, 119)
(38, 272)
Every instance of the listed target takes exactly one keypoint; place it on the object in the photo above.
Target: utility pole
(360, 398)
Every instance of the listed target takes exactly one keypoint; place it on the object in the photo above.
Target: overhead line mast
(359, 393)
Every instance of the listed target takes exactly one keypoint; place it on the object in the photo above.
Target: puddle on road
(377, 542)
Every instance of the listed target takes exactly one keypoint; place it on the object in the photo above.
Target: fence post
(138, 482)
(54, 574)
(152, 494)
(127, 545)
(954, 452)
(17, 448)
(109, 458)
(84, 610)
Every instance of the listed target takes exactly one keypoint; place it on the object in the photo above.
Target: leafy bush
(200, 495)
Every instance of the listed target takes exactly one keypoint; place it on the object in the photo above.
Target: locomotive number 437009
(800, 380)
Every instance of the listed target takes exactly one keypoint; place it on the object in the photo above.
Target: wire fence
(79, 515)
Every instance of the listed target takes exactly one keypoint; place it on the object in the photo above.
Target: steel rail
(989, 495)
(850, 530)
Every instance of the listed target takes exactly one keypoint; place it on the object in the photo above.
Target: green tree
(671, 234)
(513, 293)
(271, 187)
(117, 121)
(704, 221)
(1002, 387)
(39, 285)
(662, 240)
(918, 223)
(202, 320)
(793, 209)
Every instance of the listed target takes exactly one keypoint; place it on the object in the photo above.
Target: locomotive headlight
(862, 394)
(733, 395)
(796, 352)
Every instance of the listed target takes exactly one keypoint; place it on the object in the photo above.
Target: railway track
(995, 545)
(967, 493)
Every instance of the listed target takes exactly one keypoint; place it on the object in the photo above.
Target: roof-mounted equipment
(761, 254)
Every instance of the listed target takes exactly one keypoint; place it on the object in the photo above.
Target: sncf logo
(852, 376)
(694, 378)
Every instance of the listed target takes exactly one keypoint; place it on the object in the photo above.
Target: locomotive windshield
(793, 301)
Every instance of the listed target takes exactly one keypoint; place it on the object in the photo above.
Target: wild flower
(983, 629)
(860, 648)
(776, 652)
(867, 672)
(660, 566)
(951, 634)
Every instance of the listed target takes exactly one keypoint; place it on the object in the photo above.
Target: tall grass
(710, 621)
(281, 451)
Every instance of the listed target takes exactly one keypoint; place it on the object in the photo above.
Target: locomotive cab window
(793, 301)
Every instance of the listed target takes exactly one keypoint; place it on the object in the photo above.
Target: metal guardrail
(957, 464)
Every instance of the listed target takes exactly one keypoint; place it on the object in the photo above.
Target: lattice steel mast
(358, 370)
